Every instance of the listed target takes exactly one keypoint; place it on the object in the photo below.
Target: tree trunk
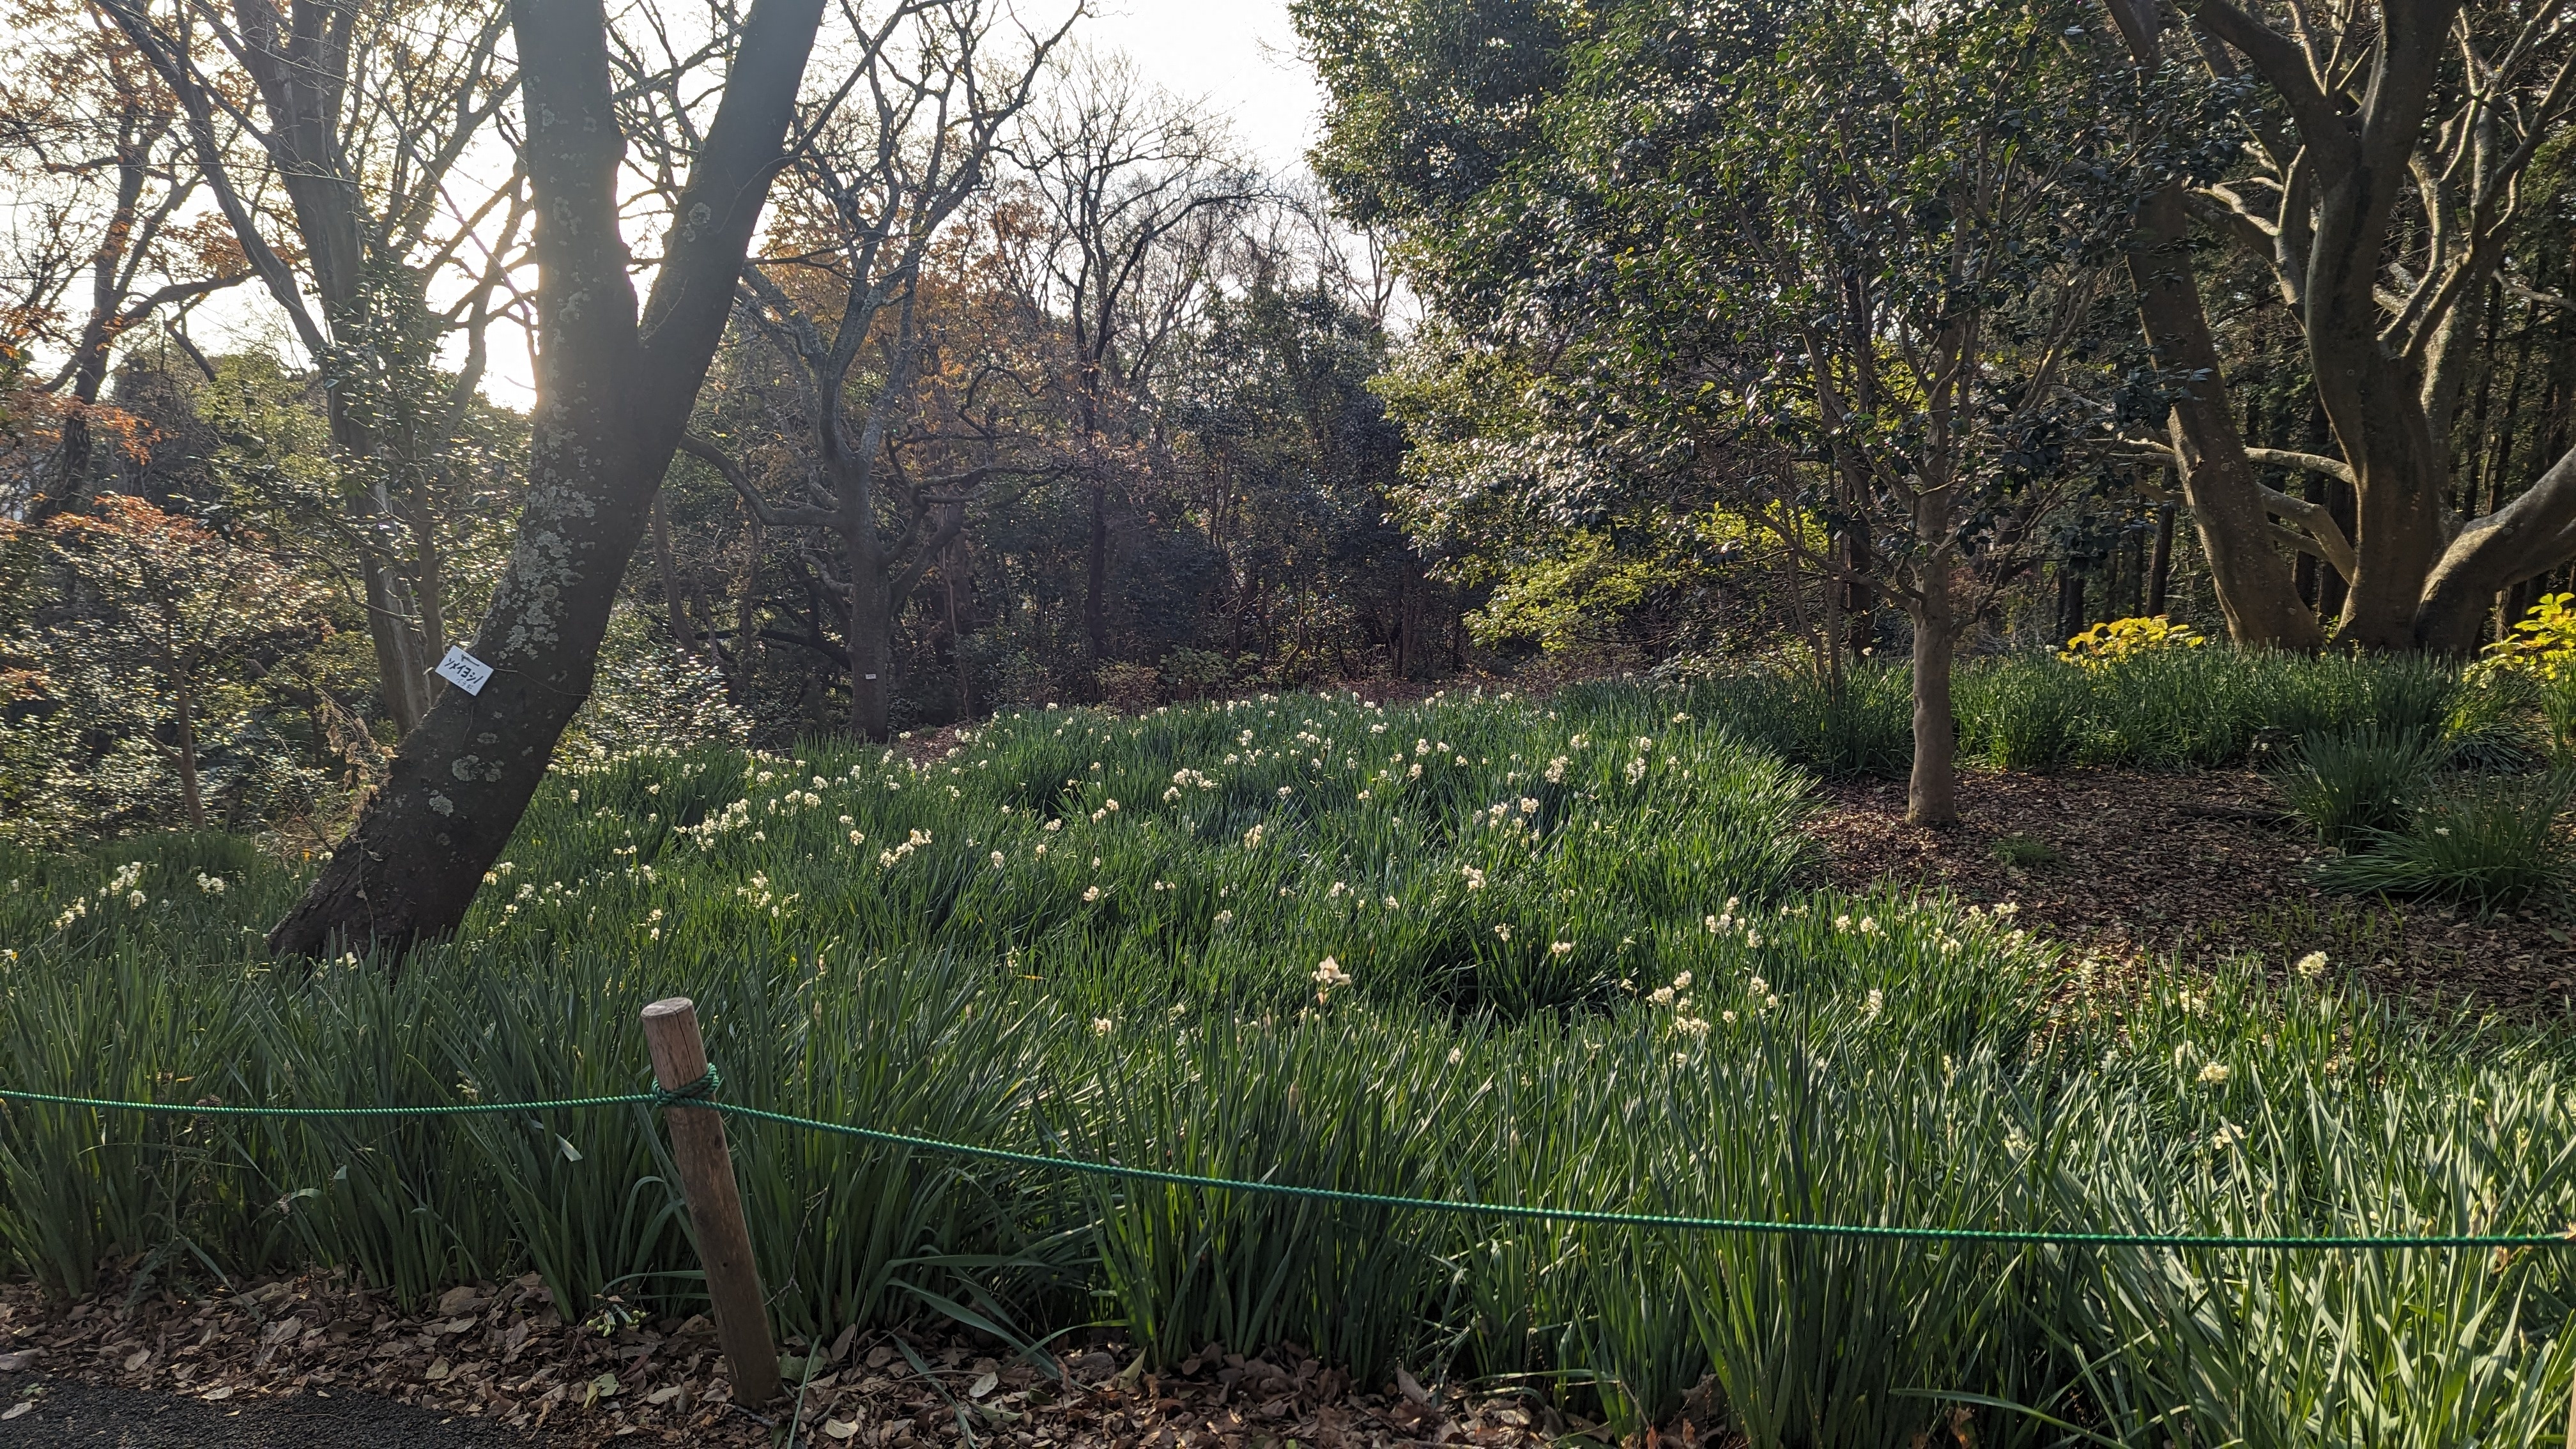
(429, 590)
(306, 148)
(1932, 793)
(2512, 604)
(2478, 450)
(2311, 569)
(2495, 461)
(950, 569)
(78, 446)
(2400, 475)
(746, 612)
(2334, 591)
(613, 394)
(2160, 565)
(190, 791)
(2070, 601)
(2527, 537)
(870, 629)
(668, 567)
(1859, 600)
(2253, 581)
(73, 454)
(1827, 643)
(1095, 600)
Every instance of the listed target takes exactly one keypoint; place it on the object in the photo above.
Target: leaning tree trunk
(2534, 533)
(2256, 588)
(613, 395)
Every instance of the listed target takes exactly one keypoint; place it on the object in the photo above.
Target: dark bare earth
(70, 1414)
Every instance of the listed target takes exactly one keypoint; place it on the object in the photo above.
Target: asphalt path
(67, 1414)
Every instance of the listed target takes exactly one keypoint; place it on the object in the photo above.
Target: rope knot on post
(704, 1089)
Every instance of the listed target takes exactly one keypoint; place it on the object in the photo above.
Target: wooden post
(715, 1203)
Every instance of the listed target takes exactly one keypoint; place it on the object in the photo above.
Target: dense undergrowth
(1554, 952)
(2163, 709)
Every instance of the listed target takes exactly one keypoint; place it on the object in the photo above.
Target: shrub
(2492, 847)
(2538, 663)
(1195, 673)
(2120, 640)
(2357, 784)
(1128, 688)
(2543, 642)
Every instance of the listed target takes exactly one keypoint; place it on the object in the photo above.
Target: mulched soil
(2202, 866)
(279, 1361)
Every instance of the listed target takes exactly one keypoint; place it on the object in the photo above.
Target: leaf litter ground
(2128, 865)
(493, 1364)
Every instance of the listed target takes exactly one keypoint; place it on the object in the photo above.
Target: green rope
(703, 1090)
(1655, 1220)
(438, 1109)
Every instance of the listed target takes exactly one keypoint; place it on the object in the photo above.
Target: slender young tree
(182, 601)
(361, 113)
(864, 202)
(1135, 191)
(1923, 236)
(1841, 268)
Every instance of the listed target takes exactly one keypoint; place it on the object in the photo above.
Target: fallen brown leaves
(501, 1355)
(495, 1352)
(2201, 865)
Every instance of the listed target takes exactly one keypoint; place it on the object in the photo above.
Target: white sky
(1237, 57)
(1240, 56)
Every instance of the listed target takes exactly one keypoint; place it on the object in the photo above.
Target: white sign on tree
(463, 670)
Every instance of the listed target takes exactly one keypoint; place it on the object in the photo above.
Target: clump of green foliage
(2353, 786)
(2492, 846)
(2025, 852)
(2174, 707)
(2535, 668)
